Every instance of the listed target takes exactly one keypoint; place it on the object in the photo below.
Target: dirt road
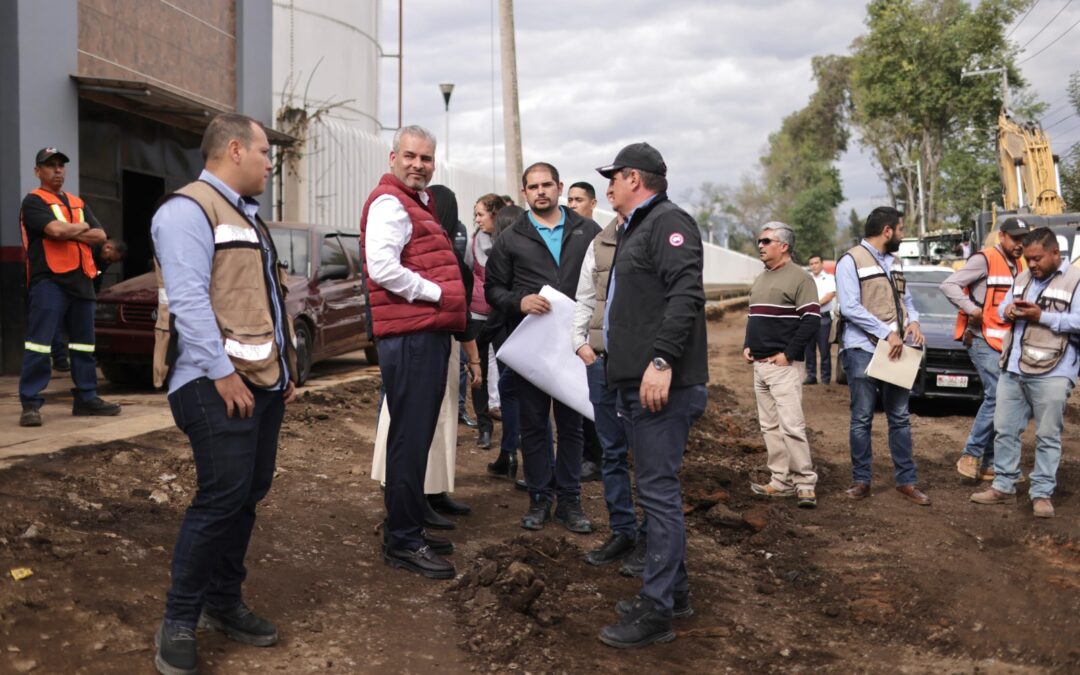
(876, 586)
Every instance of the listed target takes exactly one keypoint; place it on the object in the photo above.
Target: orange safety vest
(63, 255)
(999, 279)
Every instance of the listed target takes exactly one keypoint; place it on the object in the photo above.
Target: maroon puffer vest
(479, 303)
(429, 254)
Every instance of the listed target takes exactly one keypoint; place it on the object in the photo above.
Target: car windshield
(930, 301)
(292, 248)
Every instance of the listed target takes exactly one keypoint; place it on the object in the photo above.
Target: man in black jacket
(546, 245)
(654, 331)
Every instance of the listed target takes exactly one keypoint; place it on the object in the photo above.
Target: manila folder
(901, 372)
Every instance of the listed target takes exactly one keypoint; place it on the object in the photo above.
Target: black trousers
(547, 475)
(414, 369)
(480, 394)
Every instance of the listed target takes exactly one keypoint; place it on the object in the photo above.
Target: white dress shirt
(585, 300)
(826, 283)
(389, 229)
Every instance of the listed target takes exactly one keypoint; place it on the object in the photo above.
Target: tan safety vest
(239, 295)
(880, 293)
(1041, 348)
(604, 250)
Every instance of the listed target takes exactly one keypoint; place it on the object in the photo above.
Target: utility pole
(511, 111)
(446, 90)
(965, 73)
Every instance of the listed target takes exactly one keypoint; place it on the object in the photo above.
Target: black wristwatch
(660, 364)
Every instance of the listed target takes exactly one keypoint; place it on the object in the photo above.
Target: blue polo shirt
(552, 236)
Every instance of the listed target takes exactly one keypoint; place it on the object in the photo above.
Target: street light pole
(446, 90)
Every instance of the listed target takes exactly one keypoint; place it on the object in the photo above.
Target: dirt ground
(876, 586)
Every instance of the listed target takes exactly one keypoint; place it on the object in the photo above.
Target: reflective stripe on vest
(62, 256)
(230, 234)
(257, 352)
(999, 279)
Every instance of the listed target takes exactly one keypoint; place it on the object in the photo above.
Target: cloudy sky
(705, 81)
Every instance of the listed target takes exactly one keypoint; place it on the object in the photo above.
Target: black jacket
(520, 264)
(657, 298)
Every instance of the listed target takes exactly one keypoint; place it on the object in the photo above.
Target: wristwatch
(660, 364)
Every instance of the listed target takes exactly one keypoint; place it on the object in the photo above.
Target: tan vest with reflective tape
(881, 295)
(604, 251)
(240, 295)
(1041, 348)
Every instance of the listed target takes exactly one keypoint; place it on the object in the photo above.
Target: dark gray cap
(640, 156)
(1015, 227)
(45, 154)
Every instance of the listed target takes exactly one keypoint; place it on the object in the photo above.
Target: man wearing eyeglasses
(784, 318)
(875, 305)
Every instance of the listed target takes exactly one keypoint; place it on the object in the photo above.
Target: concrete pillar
(39, 106)
(254, 76)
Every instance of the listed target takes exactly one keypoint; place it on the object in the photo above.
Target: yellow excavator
(1031, 185)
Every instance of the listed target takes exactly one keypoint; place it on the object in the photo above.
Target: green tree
(1070, 156)
(909, 97)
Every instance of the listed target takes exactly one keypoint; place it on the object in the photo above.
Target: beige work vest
(1041, 349)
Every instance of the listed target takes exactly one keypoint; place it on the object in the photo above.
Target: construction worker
(58, 231)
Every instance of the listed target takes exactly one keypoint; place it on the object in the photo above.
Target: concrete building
(124, 88)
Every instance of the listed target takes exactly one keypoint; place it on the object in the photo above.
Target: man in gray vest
(1039, 367)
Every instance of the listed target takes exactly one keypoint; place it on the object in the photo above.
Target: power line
(1017, 24)
(1051, 42)
(1070, 130)
(1045, 128)
(1047, 25)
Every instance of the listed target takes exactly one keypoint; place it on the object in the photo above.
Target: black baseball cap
(1014, 227)
(45, 154)
(640, 156)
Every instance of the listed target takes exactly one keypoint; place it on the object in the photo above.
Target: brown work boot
(987, 473)
(858, 491)
(992, 496)
(968, 466)
(31, 417)
(1043, 508)
(913, 494)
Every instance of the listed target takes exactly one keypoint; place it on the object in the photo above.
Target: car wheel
(128, 374)
(304, 348)
(372, 355)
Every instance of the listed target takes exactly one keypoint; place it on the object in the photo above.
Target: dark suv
(324, 297)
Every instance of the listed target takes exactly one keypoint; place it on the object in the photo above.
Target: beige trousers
(778, 390)
(442, 455)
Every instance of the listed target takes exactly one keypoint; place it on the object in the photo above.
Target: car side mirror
(333, 272)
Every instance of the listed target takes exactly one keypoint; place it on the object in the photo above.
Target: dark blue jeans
(234, 465)
(414, 371)
(864, 392)
(549, 474)
(659, 441)
(618, 491)
(820, 345)
(53, 309)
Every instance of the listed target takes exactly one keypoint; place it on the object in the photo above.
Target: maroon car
(325, 298)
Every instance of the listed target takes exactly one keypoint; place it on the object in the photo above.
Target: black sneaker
(175, 650)
(617, 547)
(422, 561)
(240, 624)
(569, 513)
(30, 417)
(642, 625)
(680, 610)
(634, 564)
(539, 514)
(94, 407)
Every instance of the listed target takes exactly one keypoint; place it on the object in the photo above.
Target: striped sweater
(784, 313)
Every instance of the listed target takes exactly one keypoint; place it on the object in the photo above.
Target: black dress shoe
(521, 486)
(175, 650)
(590, 471)
(422, 561)
(484, 441)
(642, 625)
(94, 407)
(464, 418)
(240, 624)
(440, 545)
(634, 564)
(681, 609)
(538, 515)
(442, 503)
(617, 547)
(504, 467)
(434, 521)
